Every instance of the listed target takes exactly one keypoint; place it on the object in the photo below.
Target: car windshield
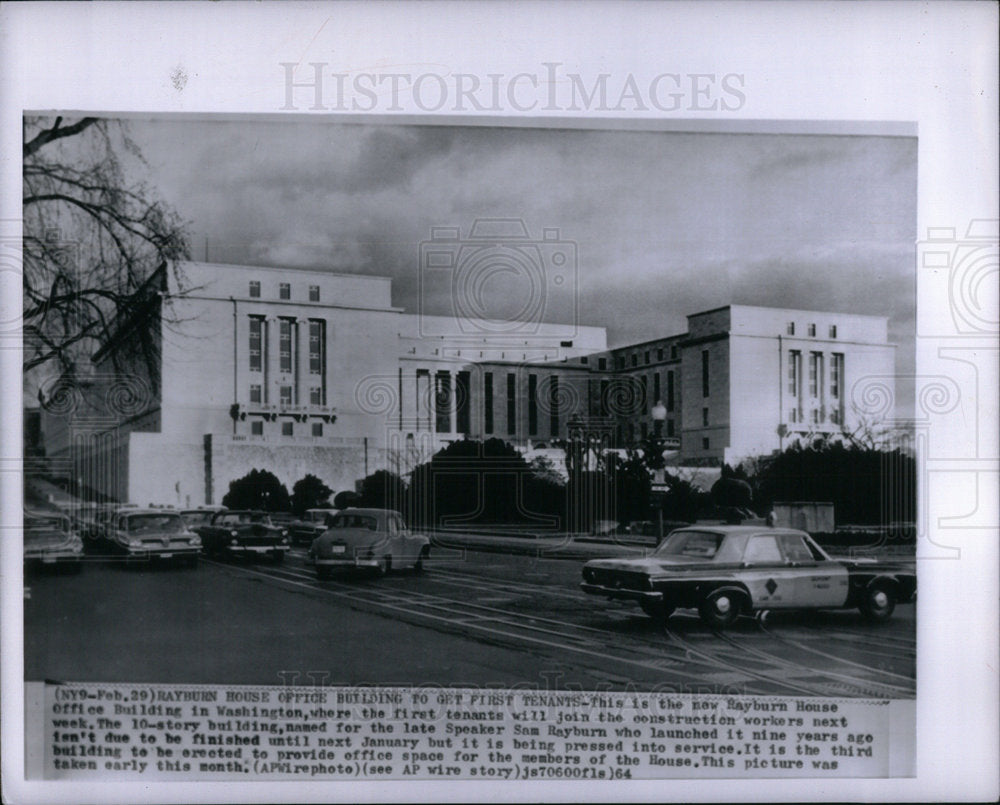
(243, 518)
(355, 521)
(696, 544)
(317, 516)
(197, 518)
(36, 526)
(154, 524)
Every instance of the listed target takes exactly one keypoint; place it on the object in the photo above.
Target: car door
(766, 574)
(818, 580)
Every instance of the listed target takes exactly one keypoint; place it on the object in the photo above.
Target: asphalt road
(472, 619)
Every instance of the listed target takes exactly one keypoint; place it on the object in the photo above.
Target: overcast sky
(666, 224)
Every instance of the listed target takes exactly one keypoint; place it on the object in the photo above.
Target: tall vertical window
(511, 404)
(833, 331)
(285, 395)
(285, 345)
(287, 429)
(812, 330)
(602, 364)
(704, 373)
(442, 402)
(644, 399)
(635, 359)
(255, 289)
(790, 328)
(554, 406)
(794, 368)
(656, 388)
(257, 427)
(317, 428)
(317, 356)
(670, 391)
(659, 354)
(315, 395)
(255, 396)
(646, 356)
(673, 352)
(532, 405)
(488, 403)
(284, 291)
(422, 403)
(704, 417)
(256, 337)
(836, 374)
(463, 402)
(313, 293)
(815, 373)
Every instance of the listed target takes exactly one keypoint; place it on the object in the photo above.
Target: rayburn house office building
(304, 371)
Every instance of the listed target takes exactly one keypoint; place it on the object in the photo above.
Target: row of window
(811, 330)
(284, 291)
(288, 358)
(287, 428)
(817, 416)
(816, 373)
(647, 357)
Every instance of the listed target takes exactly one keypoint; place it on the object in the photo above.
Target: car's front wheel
(879, 603)
(425, 552)
(720, 609)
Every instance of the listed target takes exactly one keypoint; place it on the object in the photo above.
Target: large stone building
(301, 371)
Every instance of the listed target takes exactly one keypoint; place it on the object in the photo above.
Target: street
(471, 619)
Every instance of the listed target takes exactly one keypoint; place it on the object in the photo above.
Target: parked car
(244, 533)
(153, 534)
(368, 538)
(49, 539)
(313, 523)
(726, 571)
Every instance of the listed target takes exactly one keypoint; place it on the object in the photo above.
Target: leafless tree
(92, 237)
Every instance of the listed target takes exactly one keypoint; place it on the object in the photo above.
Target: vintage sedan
(49, 539)
(313, 523)
(377, 539)
(727, 571)
(153, 534)
(244, 533)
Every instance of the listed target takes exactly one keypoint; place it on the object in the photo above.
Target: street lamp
(659, 413)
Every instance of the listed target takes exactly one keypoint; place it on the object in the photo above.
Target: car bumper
(53, 557)
(162, 553)
(255, 550)
(345, 562)
(618, 592)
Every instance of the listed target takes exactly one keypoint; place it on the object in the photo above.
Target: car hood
(653, 565)
(41, 540)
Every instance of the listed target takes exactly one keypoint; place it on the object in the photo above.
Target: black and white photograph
(469, 445)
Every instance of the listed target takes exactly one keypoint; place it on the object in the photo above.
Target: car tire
(425, 553)
(879, 603)
(657, 610)
(720, 609)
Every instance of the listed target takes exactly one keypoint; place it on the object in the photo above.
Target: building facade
(299, 371)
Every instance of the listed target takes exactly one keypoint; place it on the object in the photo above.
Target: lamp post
(659, 413)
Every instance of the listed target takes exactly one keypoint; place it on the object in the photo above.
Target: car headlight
(284, 532)
(284, 540)
(234, 542)
(195, 540)
(232, 533)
